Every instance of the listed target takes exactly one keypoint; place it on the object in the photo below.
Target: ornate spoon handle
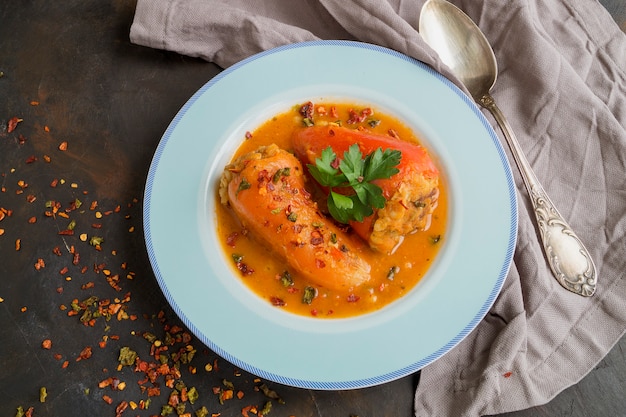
(568, 258)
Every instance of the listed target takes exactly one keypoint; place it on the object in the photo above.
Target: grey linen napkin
(562, 85)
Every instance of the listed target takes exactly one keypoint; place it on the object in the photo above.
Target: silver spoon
(465, 50)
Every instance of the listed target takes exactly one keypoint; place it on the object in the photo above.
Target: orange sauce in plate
(392, 275)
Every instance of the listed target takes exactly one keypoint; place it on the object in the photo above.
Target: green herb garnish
(243, 185)
(357, 173)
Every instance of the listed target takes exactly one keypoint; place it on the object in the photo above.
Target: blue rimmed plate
(195, 275)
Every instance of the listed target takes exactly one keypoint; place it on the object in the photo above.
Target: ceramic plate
(199, 283)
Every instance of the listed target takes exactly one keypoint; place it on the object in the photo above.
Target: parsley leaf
(355, 172)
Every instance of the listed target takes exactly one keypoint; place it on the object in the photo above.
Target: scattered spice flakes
(12, 123)
(63, 146)
(21, 413)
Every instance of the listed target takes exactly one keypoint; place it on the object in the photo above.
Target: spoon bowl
(462, 46)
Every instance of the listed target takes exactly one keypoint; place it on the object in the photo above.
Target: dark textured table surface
(81, 112)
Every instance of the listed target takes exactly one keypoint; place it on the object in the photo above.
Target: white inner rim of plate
(447, 304)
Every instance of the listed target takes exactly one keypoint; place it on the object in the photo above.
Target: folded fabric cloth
(562, 86)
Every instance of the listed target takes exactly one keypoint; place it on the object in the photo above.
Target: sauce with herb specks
(269, 275)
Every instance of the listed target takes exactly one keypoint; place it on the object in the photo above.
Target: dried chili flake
(46, 344)
(18, 244)
(32, 220)
(84, 354)
(107, 399)
(122, 406)
(353, 298)
(63, 146)
(12, 123)
(277, 301)
(31, 159)
(39, 264)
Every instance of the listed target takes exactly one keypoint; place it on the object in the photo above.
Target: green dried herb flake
(282, 172)
(286, 279)
(127, 356)
(309, 295)
(243, 185)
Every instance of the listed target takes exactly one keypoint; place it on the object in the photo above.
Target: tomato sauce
(392, 275)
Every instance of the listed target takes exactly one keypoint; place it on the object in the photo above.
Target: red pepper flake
(39, 264)
(246, 410)
(85, 354)
(63, 146)
(64, 270)
(34, 103)
(30, 198)
(57, 251)
(75, 258)
(66, 232)
(65, 364)
(32, 220)
(277, 302)
(46, 344)
(107, 399)
(353, 298)
(507, 374)
(12, 124)
(393, 134)
(121, 408)
(18, 244)
(231, 239)
(54, 183)
(31, 159)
